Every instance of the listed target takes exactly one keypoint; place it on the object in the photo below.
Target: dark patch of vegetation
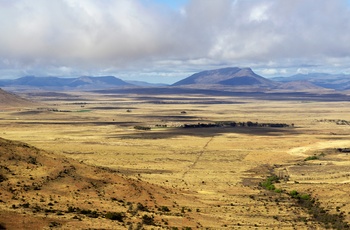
(304, 200)
(161, 126)
(71, 209)
(311, 158)
(344, 150)
(54, 224)
(25, 205)
(76, 218)
(269, 183)
(59, 213)
(296, 195)
(32, 160)
(164, 209)
(334, 221)
(118, 216)
(338, 122)
(84, 111)
(236, 124)
(141, 207)
(89, 213)
(2, 226)
(148, 220)
(2, 178)
(138, 127)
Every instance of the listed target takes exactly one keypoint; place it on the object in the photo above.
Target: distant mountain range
(324, 80)
(220, 79)
(245, 78)
(146, 84)
(54, 83)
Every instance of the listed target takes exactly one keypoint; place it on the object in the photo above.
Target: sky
(168, 40)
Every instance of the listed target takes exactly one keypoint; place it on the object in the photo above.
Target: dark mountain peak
(231, 76)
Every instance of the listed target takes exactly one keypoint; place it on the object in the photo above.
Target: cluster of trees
(236, 124)
(344, 150)
(201, 125)
(338, 122)
(219, 124)
(138, 127)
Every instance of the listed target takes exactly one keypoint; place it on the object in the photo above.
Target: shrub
(268, 183)
(115, 216)
(89, 213)
(164, 209)
(310, 158)
(278, 190)
(2, 178)
(305, 197)
(148, 220)
(71, 209)
(32, 160)
(54, 224)
(294, 194)
(141, 207)
(26, 205)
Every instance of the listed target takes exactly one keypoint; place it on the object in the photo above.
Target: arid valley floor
(75, 161)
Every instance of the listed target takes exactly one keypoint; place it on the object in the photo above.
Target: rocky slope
(40, 190)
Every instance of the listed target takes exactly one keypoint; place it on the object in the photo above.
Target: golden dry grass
(214, 172)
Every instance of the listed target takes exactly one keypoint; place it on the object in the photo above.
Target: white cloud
(131, 36)
(258, 13)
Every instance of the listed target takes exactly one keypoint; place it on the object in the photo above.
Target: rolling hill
(8, 100)
(41, 190)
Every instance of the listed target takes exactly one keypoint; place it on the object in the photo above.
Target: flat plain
(199, 177)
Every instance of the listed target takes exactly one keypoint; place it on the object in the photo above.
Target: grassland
(209, 176)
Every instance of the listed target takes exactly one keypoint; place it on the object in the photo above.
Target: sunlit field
(218, 171)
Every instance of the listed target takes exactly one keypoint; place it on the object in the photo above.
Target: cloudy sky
(167, 40)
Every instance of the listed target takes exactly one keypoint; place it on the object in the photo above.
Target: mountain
(146, 84)
(299, 86)
(12, 100)
(232, 76)
(325, 80)
(84, 82)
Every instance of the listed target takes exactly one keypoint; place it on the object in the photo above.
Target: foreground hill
(40, 190)
(8, 100)
(233, 76)
(324, 80)
(85, 82)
